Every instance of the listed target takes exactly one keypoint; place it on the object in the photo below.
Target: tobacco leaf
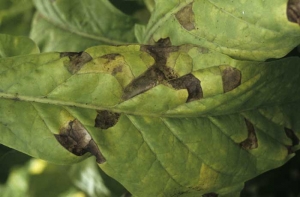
(76, 25)
(160, 136)
(251, 30)
(16, 45)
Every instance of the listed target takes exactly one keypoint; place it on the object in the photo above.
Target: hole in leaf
(293, 11)
(77, 60)
(231, 78)
(186, 17)
(106, 119)
(251, 141)
(191, 83)
(75, 138)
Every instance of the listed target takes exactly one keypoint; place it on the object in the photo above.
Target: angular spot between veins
(77, 60)
(75, 138)
(186, 17)
(156, 74)
(231, 78)
(106, 119)
(293, 11)
(251, 141)
(191, 83)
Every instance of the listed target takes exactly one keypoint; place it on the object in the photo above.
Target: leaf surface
(163, 121)
(16, 45)
(252, 30)
(75, 25)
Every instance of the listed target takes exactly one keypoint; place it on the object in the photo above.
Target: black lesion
(75, 138)
(293, 11)
(212, 194)
(231, 78)
(106, 119)
(295, 140)
(191, 84)
(159, 73)
(251, 141)
(77, 60)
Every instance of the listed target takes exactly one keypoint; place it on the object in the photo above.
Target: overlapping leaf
(16, 45)
(169, 121)
(67, 25)
(252, 30)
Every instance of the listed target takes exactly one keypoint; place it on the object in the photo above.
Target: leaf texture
(168, 120)
(248, 30)
(76, 25)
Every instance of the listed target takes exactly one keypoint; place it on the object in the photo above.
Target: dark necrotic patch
(75, 138)
(186, 17)
(110, 56)
(77, 60)
(293, 11)
(231, 78)
(106, 119)
(295, 140)
(210, 195)
(191, 83)
(251, 141)
(156, 74)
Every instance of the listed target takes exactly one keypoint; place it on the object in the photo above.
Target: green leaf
(163, 121)
(81, 25)
(253, 30)
(15, 17)
(16, 45)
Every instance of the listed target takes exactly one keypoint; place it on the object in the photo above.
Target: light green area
(16, 45)
(67, 25)
(252, 30)
(161, 145)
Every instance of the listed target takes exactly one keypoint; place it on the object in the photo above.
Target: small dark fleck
(251, 141)
(186, 17)
(191, 83)
(77, 60)
(75, 138)
(231, 78)
(210, 195)
(106, 119)
(293, 11)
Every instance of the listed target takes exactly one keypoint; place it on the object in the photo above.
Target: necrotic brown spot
(210, 195)
(77, 60)
(106, 119)
(191, 83)
(293, 11)
(156, 74)
(186, 17)
(110, 56)
(75, 138)
(251, 141)
(295, 140)
(231, 78)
